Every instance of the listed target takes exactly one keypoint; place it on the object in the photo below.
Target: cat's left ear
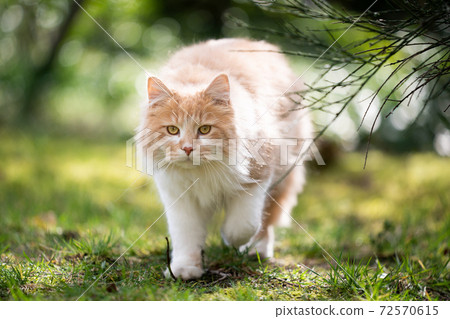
(219, 89)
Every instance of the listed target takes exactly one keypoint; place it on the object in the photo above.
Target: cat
(235, 91)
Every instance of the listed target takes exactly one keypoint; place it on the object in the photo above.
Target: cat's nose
(187, 150)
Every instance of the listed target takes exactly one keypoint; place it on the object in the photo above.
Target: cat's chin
(185, 163)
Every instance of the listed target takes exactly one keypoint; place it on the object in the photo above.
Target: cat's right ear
(157, 91)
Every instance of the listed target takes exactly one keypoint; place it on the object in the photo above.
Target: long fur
(240, 89)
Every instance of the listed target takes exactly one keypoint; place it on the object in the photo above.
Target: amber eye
(204, 129)
(173, 130)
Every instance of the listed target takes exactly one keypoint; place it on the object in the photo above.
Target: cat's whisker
(236, 180)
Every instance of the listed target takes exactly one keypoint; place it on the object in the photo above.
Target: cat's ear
(157, 91)
(219, 89)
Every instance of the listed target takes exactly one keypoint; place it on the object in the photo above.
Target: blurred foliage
(382, 70)
(60, 70)
(59, 66)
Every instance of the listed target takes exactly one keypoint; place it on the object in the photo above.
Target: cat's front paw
(238, 235)
(185, 272)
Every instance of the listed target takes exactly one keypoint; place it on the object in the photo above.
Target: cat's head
(188, 122)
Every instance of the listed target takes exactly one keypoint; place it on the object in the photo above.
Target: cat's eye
(173, 130)
(204, 129)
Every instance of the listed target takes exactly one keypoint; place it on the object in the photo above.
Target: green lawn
(69, 207)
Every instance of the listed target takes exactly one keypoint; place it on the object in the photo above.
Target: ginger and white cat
(231, 91)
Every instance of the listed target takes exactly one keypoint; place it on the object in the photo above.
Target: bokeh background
(60, 70)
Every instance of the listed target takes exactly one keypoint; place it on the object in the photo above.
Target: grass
(69, 208)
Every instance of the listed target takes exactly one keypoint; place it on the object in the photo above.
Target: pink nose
(187, 150)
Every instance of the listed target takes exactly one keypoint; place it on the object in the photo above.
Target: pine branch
(385, 43)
